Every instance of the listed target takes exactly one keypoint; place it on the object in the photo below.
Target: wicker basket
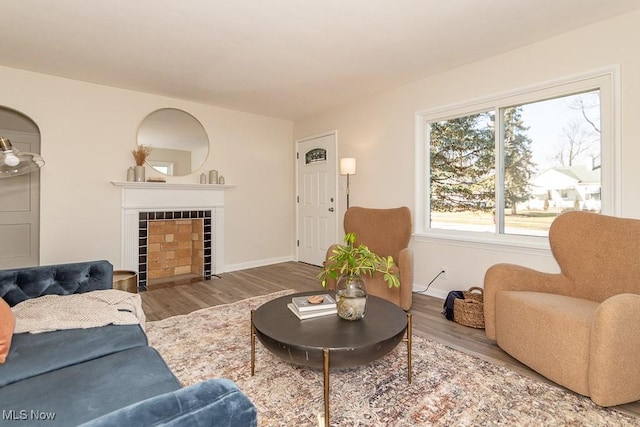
(470, 310)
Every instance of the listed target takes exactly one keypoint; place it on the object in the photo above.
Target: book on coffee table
(311, 314)
(313, 303)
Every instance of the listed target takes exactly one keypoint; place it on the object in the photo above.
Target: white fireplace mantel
(153, 196)
(168, 185)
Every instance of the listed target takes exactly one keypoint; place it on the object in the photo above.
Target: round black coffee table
(329, 341)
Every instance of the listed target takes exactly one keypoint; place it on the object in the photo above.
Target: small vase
(138, 173)
(213, 176)
(351, 297)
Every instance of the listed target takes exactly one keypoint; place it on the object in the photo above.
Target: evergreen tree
(462, 164)
(518, 162)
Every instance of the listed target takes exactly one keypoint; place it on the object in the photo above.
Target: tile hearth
(161, 256)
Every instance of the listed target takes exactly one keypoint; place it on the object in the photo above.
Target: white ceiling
(281, 58)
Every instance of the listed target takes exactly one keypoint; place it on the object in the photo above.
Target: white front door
(20, 209)
(317, 221)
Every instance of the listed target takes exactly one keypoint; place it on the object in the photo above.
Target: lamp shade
(14, 162)
(348, 166)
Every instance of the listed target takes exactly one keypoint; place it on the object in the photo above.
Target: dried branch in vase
(141, 154)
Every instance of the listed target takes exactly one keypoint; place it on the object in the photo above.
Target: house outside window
(505, 167)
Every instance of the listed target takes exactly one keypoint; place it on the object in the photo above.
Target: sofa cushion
(7, 325)
(213, 402)
(82, 392)
(549, 333)
(34, 354)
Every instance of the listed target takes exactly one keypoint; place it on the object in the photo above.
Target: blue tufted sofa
(106, 376)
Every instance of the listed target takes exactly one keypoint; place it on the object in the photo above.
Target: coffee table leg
(253, 345)
(408, 340)
(325, 371)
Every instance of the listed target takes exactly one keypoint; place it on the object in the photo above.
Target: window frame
(606, 80)
(162, 164)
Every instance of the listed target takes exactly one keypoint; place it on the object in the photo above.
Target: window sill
(508, 243)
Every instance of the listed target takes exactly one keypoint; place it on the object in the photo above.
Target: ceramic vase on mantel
(138, 173)
(351, 297)
(213, 176)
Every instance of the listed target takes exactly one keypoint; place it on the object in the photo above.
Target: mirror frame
(185, 130)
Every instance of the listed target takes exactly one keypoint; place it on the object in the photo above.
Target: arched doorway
(20, 196)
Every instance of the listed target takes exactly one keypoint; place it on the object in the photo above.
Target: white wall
(87, 134)
(379, 132)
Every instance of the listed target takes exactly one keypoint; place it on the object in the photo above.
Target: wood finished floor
(182, 298)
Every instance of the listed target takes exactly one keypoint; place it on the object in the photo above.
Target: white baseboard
(258, 263)
(433, 292)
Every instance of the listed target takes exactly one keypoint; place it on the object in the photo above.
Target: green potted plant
(347, 265)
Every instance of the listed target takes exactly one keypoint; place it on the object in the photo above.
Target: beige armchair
(386, 232)
(579, 328)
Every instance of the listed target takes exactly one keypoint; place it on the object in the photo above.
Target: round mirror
(179, 144)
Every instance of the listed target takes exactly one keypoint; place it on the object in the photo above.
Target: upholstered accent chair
(386, 232)
(579, 328)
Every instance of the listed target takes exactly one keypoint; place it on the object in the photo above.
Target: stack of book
(313, 306)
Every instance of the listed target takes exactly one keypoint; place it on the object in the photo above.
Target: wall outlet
(444, 272)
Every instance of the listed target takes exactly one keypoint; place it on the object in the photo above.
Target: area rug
(448, 388)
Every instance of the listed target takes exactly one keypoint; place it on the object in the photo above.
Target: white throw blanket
(86, 310)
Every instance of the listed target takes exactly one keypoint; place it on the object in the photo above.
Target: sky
(546, 120)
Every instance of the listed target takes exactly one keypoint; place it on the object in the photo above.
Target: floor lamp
(348, 167)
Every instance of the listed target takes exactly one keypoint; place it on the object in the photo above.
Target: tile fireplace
(174, 243)
(190, 219)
